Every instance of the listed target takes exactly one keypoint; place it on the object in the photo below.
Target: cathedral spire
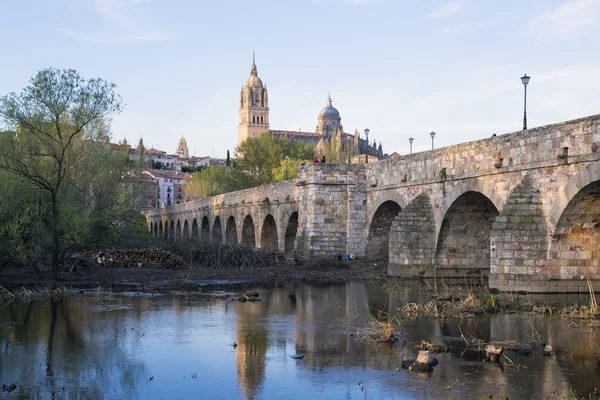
(253, 67)
(329, 99)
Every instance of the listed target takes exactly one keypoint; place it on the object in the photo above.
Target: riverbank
(324, 270)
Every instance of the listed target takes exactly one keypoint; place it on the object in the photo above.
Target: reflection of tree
(62, 347)
(252, 337)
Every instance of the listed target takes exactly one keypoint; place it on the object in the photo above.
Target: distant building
(254, 120)
(169, 187)
(182, 148)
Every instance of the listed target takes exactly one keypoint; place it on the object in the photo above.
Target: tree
(140, 152)
(261, 158)
(215, 180)
(157, 165)
(59, 150)
(228, 160)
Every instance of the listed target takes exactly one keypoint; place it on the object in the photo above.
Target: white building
(170, 187)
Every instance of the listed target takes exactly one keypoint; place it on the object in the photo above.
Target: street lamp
(525, 81)
(432, 134)
(367, 130)
(285, 173)
(410, 140)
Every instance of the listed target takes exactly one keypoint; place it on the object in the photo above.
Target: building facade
(329, 133)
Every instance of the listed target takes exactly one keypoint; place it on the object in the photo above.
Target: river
(107, 344)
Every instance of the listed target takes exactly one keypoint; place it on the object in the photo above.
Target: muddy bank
(146, 277)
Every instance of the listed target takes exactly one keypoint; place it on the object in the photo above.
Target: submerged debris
(423, 362)
(434, 348)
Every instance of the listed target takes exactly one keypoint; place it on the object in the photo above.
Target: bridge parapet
(522, 208)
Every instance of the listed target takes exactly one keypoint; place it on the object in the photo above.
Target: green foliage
(157, 165)
(191, 170)
(68, 184)
(334, 153)
(262, 159)
(216, 180)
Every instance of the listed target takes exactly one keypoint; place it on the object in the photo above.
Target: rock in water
(423, 362)
(493, 353)
(548, 350)
(298, 356)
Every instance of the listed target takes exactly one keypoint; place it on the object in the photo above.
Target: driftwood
(434, 348)
(132, 258)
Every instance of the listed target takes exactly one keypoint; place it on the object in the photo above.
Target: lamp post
(367, 130)
(432, 134)
(285, 173)
(410, 140)
(525, 81)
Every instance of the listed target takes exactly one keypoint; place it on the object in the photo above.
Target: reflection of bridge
(522, 207)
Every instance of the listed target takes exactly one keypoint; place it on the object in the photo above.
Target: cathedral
(329, 133)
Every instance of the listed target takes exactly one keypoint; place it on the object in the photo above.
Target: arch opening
(464, 239)
(217, 232)
(248, 234)
(195, 229)
(231, 231)
(378, 239)
(575, 248)
(160, 229)
(178, 230)
(172, 230)
(205, 231)
(186, 230)
(290, 232)
(155, 229)
(268, 237)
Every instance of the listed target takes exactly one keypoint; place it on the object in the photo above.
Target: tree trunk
(55, 237)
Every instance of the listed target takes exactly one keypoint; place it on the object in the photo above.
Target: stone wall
(523, 208)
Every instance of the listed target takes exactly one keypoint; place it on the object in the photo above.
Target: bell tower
(254, 107)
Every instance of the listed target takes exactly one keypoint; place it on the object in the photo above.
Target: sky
(402, 68)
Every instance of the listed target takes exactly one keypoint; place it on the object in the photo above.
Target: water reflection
(107, 345)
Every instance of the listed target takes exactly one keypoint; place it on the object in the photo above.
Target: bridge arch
(378, 238)
(186, 229)
(382, 197)
(160, 229)
(583, 178)
(268, 236)
(463, 241)
(575, 248)
(231, 236)
(217, 231)
(178, 230)
(463, 187)
(172, 230)
(205, 230)
(290, 232)
(155, 229)
(195, 229)
(248, 232)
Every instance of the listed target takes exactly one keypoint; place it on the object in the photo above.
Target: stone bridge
(520, 209)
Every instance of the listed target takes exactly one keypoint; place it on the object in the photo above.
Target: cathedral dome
(254, 81)
(329, 110)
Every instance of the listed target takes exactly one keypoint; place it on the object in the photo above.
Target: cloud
(569, 20)
(444, 10)
(117, 12)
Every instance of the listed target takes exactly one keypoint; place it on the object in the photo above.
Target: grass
(28, 294)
